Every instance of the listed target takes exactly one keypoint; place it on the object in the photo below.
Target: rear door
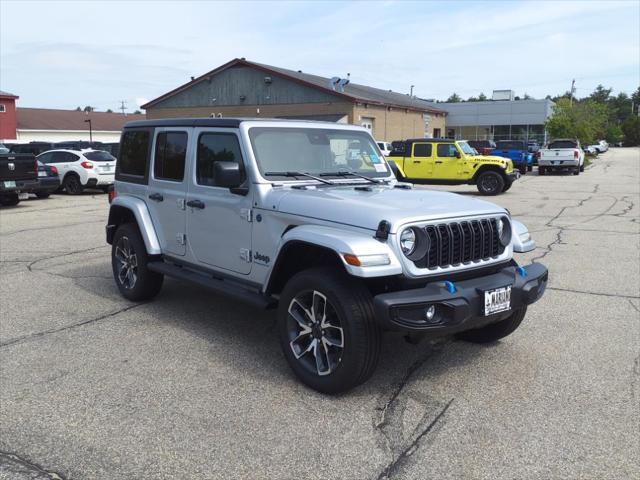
(167, 188)
(218, 221)
(420, 163)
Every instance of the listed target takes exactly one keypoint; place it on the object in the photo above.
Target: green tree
(109, 110)
(482, 97)
(454, 98)
(585, 120)
(601, 94)
(631, 131)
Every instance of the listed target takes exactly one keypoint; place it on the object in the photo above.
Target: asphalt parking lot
(193, 385)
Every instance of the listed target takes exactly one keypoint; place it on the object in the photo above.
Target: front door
(420, 164)
(167, 188)
(447, 166)
(218, 221)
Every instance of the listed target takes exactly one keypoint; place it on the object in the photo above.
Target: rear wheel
(9, 200)
(530, 168)
(129, 262)
(495, 331)
(582, 167)
(576, 171)
(327, 330)
(490, 183)
(72, 185)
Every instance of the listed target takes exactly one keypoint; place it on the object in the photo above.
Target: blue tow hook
(450, 286)
(522, 271)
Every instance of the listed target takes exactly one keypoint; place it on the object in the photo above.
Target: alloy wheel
(127, 263)
(316, 337)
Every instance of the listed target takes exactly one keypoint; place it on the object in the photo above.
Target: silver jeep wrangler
(308, 218)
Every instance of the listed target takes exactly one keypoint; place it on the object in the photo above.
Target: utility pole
(123, 106)
(411, 94)
(573, 89)
(90, 129)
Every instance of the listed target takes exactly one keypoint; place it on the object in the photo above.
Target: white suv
(82, 169)
(385, 148)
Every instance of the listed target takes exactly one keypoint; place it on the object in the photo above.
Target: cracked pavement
(193, 385)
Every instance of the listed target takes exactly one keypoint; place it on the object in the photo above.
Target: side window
(171, 151)
(421, 149)
(45, 157)
(215, 147)
(134, 152)
(70, 157)
(58, 157)
(446, 150)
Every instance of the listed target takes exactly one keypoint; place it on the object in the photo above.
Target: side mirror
(227, 174)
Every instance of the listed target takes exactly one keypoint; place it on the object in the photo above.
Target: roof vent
(338, 84)
(193, 78)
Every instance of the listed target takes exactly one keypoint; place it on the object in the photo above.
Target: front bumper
(513, 176)
(462, 309)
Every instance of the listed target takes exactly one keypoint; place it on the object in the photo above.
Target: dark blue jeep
(517, 151)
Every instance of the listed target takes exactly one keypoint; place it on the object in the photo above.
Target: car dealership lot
(193, 385)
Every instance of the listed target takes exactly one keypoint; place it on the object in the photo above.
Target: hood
(492, 159)
(366, 208)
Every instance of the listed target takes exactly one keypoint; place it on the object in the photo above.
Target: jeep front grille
(455, 243)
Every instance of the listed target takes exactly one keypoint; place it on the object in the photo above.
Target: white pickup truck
(561, 154)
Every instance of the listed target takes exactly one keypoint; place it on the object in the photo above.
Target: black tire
(494, 331)
(530, 168)
(523, 170)
(348, 310)
(129, 261)
(72, 185)
(9, 200)
(582, 167)
(490, 182)
(576, 171)
(541, 171)
(43, 194)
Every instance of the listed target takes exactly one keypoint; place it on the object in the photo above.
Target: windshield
(99, 156)
(464, 146)
(315, 151)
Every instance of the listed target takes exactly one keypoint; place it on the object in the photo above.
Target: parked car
(590, 149)
(34, 148)
(517, 151)
(81, 169)
(562, 154)
(483, 147)
(48, 181)
(385, 148)
(309, 219)
(17, 176)
(451, 162)
(600, 147)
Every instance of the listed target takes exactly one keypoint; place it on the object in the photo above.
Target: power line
(123, 106)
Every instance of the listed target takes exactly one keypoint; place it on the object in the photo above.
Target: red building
(7, 116)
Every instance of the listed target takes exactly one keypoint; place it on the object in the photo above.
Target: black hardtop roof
(430, 140)
(208, 122)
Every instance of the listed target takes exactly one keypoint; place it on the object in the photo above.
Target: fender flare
(141, 213)
(342, 242)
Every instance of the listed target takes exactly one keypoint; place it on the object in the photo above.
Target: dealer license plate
(10, 184)
(497, 300)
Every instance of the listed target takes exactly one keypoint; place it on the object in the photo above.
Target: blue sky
(67, 54)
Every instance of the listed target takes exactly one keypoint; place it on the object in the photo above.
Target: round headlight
(408, 241)
(504, 231)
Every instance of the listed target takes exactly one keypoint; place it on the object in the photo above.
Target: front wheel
(327, 330)
(490, 183)
(129, 261)
(495, 331)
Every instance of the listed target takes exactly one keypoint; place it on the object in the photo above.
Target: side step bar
(224, 287)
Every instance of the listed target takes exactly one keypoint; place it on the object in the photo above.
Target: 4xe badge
(260, 258)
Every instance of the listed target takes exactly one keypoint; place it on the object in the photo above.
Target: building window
(2, 108)
(368, 123)
(436, 133)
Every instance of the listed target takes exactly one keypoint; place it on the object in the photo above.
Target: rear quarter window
(134, 156)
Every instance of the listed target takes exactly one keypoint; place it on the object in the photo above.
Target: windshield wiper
(298, 174)
(346, 173)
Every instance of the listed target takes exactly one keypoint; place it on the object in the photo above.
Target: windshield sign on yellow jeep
(308, 218)
(451, 162)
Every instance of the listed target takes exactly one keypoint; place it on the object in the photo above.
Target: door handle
(195, 204)
(416, 161)
(156, 197)
(438, 161)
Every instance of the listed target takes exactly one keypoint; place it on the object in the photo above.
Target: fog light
(430, 312)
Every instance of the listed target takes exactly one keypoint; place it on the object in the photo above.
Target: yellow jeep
(450, 162)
